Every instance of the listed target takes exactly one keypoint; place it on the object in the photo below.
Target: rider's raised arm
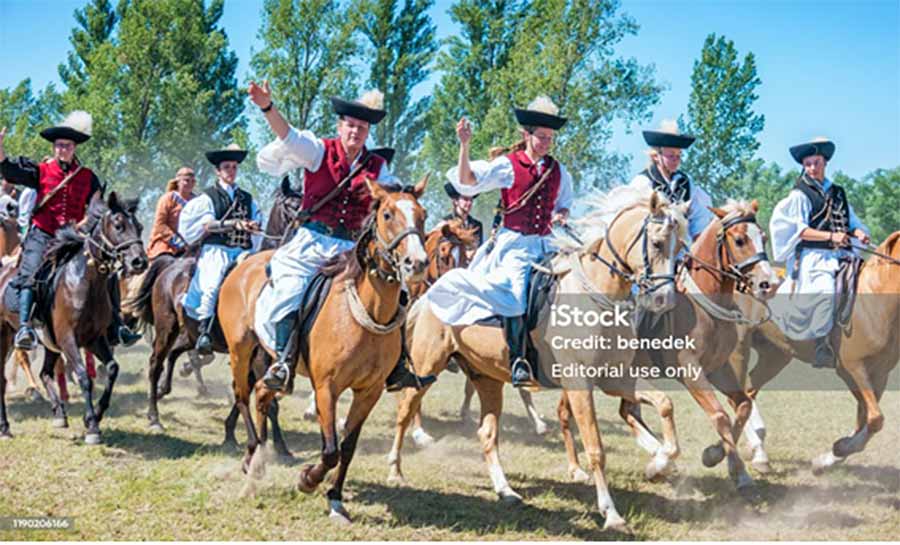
(20, 171)
(488, 175)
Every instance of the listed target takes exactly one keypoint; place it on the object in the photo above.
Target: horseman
(462, 206)
(662, 175)
(336, 202)
(63, 189)
(164, 237)
(811, 231)
(536, 191)
(224, 217)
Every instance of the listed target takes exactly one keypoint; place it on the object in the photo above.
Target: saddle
(311, 302)
(846, 283)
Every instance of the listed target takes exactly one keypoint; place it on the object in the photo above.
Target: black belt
(340, 232)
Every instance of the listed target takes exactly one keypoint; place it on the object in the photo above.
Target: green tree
(307, 56)
(402, 37)
(24, 115)
(720, 115)
(881, 196)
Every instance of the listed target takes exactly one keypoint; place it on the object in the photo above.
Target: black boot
(277, 375)
(519, 367)
(401, 377)
(825, 358)
(204, 341)
(25, 337)
(119, 333)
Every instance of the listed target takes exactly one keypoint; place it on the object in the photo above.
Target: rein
(111, 257)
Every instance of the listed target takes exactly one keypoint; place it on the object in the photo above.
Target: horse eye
(740, 241)
(386, 216)
(657, 245)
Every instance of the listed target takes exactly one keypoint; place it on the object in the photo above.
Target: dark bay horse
(81, 310)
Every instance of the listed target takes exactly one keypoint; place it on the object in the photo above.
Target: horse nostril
(659, 300)
(764, 286)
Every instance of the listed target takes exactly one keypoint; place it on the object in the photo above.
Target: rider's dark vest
(68, 204)
(677, 193)
(224, 208)
(535, 216)
(830, 210)
(349, 208)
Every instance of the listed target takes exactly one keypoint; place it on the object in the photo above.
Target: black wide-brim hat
(357, 110)
(231, 153)
(662, 139)
(52, 134)
(819, 146)
(534, 118)
(453, 193)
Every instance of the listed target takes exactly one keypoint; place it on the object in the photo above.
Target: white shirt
(200, 211)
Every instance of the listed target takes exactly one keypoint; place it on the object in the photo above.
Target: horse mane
(64, 245)
(736, 209)
(141, 304)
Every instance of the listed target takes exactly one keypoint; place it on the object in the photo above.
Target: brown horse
(599, 272)
(355, 341)
(729, 255)
(869, 351)
(157, 302)
(81, 311)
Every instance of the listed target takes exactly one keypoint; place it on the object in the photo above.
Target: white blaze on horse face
(754, 233)
(414, 248)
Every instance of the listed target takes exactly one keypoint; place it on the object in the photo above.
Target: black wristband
(268, 108)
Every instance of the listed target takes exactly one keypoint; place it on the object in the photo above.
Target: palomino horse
(81, 311)
(158, 302)
(869, 351)
(355, 341)
(603, 277)
(729, 255)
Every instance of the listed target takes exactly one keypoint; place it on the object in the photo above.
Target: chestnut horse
(869, 350)
(727, 256)
(81, 311)
(353, 344)
(595, 270)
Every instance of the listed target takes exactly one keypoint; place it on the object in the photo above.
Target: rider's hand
(559, 218)
(464, 131)
(840, 239)
(261, 96)
(861, 235)
(247, 225)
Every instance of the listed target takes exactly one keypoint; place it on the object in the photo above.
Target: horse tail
(141, 304)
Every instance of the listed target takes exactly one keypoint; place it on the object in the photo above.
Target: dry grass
(184, 485)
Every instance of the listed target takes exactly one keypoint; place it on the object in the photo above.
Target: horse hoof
(202, 392)
(60, 422)
(5, 435)
(33, 395)
(509, 496)
(761, 466)
(713, 455)
(396, 478)
(156, 427)
(579, 475)
(421, 438)
(540, 428)
(616, 523)
(303, 483)
(338, 514)
(231, 443)
(92, 438)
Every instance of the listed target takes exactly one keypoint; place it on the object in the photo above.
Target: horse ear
(286, 185)
(655, 203)
(446, 230)
(113, 200)
(378, 192)
(718, 212)
(754, 204)
(419, 188)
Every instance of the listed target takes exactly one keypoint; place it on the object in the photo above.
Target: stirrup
(25, 338)
(204, 344)
(521, 373)
(401, 377)
(277, 375)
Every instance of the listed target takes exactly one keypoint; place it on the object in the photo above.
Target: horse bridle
(112, 257)
(385, 250)
(736, 271)
(648, 282)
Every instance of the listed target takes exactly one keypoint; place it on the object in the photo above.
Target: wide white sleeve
(386, 178)
(566, 191)
(699, 214)
(789, 219)
(298, 149)
(489, 175)
(194, 216)
(27, 200)
(257, 216)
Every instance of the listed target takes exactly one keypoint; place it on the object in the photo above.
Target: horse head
(119, 232)
(398, 227)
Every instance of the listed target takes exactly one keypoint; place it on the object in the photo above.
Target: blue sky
(827, 67)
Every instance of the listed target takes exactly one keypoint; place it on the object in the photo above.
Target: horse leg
(162, 344)
(101, 349)
(701, 390)
(664, 454)
(230, 424)
(363, 402)
(564, 413)
(465, 410)
(420, 437)
(278, 440)
(310, 413)
(49, 375)
(73, 357)
(202, 390)
(407, 406)
(240, 358)
(23, 361)
(326, 405)
(5, 345)
(581, 403)
(490, 393)
(537, 421)
(727, 382)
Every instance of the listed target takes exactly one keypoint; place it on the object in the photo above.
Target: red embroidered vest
(69, 204)
(533, 218)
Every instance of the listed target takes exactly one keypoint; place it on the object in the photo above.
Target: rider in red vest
(64, 189)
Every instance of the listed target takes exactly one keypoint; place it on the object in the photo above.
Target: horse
(9, 225)
(81, 310)
(868, 352)
(157, 302)
(355, 340)
(598, 271)
(727, 258)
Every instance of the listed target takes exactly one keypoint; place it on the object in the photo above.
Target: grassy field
(184, 485)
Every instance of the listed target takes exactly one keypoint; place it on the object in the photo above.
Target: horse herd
(356, 338)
